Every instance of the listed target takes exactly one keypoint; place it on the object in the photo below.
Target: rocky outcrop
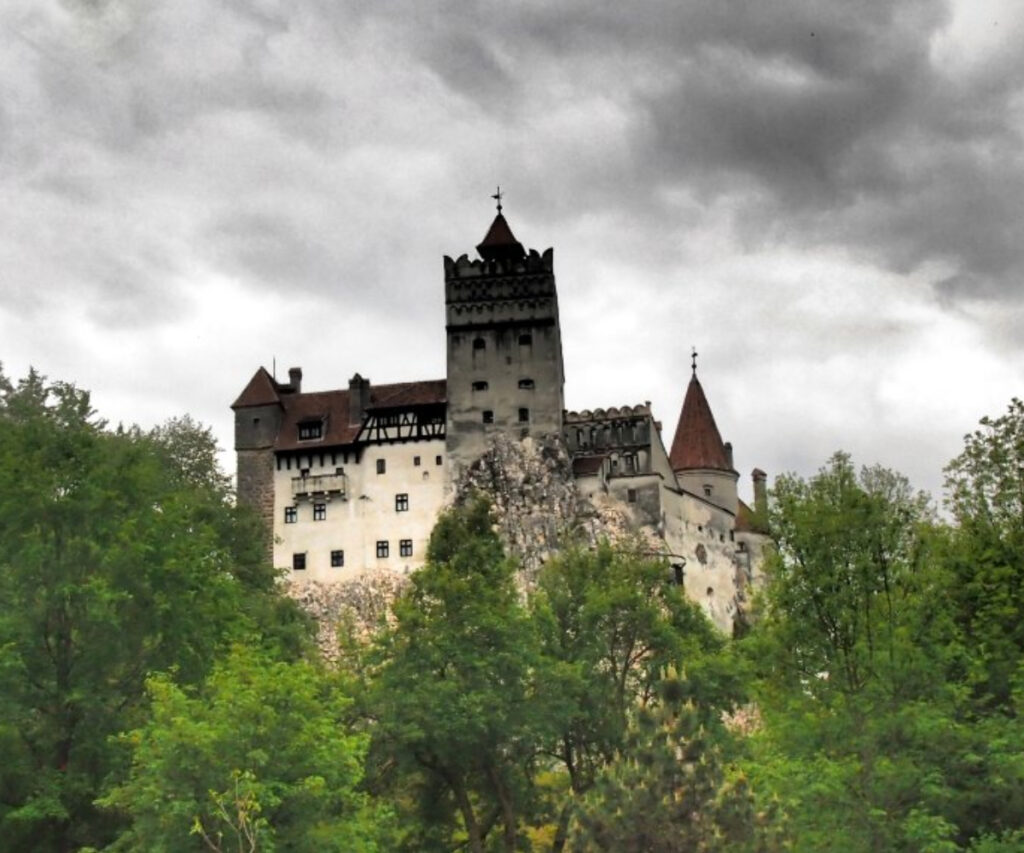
(537, 505)
(350, 608)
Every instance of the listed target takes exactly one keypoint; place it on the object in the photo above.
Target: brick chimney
(358, 398)
(760, 492)
(295, 379)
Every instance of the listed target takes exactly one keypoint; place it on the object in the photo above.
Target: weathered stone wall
(255, 488)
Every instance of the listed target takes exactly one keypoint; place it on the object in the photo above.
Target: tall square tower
(505, 370)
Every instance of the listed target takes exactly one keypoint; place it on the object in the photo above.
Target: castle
(352, 480)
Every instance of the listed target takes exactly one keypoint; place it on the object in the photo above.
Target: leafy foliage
(455, 697)
(670, 789)
(261, 756)
(114, 562)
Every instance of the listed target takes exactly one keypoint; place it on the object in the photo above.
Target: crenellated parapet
(500, 290)
(532, 262)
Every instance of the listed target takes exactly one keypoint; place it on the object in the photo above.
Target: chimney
(358, 398)
(295, 379)
(760, 493)
(728, 454)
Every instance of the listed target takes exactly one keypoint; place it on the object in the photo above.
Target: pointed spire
(500, 243)
(697, 442)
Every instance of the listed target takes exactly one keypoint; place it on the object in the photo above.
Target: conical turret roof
(500, 243)
(697, 443)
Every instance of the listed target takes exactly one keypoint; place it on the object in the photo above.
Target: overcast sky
(826, 198)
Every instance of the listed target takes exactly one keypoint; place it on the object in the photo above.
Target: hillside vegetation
(159, 692)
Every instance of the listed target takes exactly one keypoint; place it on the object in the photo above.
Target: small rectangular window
(291, 514)
(298, 562)
(382, 547)
(479, 343)
(480, 385)
(437, 460)
(525, 340)
(381, 466)
(319, 512)
(416, 461)
(631, 495)
(524, 416)
(526, 383)
(405, 547)
(337, 559)
(707, 490)
(401, 503)
(488, 416)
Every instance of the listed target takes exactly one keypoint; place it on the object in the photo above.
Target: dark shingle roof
(261, 391)
(333, 408)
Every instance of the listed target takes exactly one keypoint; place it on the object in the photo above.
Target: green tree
(113, 563)
(842, 578)
(610, 622)
(866, 675)
(261, 757)
(670, 788)
(455, 697)
(985, 492)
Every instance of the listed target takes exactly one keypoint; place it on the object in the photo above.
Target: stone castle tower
(504, 346)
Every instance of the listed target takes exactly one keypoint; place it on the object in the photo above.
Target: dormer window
(311, 430)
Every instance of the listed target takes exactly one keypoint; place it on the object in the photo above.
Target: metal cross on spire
(693, 360)
(497, 198)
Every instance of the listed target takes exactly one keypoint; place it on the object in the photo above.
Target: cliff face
(537, 504)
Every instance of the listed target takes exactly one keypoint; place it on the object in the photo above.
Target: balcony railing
(319, 484)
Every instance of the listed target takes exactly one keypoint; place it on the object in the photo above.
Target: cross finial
(497, 198)
(693, 360)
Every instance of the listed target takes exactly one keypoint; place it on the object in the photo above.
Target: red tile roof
(697, 443)
(333, 407)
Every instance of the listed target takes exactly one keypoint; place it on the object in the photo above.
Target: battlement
(533, 263)
(611, 413)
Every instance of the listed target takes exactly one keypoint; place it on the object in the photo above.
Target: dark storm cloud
(833, 123)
